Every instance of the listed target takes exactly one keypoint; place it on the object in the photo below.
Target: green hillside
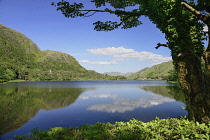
(160, 71)
(22, 59)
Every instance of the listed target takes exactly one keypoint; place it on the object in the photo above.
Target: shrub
(158, 129)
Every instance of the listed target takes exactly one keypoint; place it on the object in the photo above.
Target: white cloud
(104, 63)
(111, 51)
(84, 61)
(123, 54)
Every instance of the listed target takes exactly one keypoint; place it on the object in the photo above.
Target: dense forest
(21, 59)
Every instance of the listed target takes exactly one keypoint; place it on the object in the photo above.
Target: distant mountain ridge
(159, 71)
(20, 58)
(118, 74)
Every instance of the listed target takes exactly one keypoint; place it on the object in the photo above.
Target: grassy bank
(172, 82)
(17, 80)
(159, 129)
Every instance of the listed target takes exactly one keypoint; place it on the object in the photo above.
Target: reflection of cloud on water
(111, 108)
(122, 105)
(99, 96)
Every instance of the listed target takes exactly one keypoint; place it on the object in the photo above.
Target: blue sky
(115, 51)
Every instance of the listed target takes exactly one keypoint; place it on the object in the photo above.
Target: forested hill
(22, 59)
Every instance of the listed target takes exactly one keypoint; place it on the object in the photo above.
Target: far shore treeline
(22, 59)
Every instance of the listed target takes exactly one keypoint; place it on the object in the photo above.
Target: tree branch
(123, 20)
(94, 11)
(160, 44)
(195, 12)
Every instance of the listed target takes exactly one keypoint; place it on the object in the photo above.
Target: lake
(42, 105)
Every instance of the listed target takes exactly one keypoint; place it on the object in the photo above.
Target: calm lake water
(28, 105)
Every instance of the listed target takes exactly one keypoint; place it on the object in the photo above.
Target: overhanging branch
(93, 10)
(128, 19)
(160, 44)
(195, 12)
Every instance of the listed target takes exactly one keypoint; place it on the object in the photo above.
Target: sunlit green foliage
(159, 129)
(7, 72)
(172, 76)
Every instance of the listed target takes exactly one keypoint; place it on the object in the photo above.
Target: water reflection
(122, 105)
(99, 96)
(167, 91)
(20, 104)
(50, 104)
(198, 108)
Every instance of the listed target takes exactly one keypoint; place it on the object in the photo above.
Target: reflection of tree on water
(198, 107)
(166, 91)
(19, 105)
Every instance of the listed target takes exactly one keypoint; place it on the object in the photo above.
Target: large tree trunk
(206, 57)
(198, 110)
(206, 20)
(191, 77)
(193, 83)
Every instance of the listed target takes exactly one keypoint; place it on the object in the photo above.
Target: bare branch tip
(183, 3)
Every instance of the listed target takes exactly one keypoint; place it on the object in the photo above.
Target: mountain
(118, 74)
(159, 71)
(21, 58)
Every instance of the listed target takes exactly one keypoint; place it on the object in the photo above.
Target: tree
(172, 76)
(8, 75)
(174, 18)
(205, 18)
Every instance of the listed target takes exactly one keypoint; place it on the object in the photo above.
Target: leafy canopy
(178, 24)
